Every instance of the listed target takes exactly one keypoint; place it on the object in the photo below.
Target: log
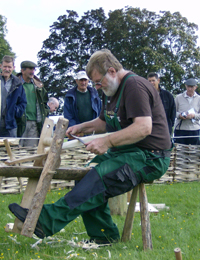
(118, 205)
(178, 254)
(45, 179)
(67, 173)
(145, 222)
(32, 182)
(128, 225)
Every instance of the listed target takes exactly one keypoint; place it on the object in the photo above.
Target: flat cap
(191, 82)
(28, 64)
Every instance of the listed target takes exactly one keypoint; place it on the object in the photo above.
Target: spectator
(138, 151)
(167, 99)
(12, 98)
(188, 115)
(82, 103)
(31, 123)
(53, 104)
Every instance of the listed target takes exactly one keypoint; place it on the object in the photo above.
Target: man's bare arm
(138, 130)
(97, 125)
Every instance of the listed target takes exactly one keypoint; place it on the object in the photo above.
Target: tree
(165, 43)
(180, 50)
(5, 48)
(68, 49)
(143, 41)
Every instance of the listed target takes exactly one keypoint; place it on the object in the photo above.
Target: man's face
(190, 90)
(82, 84)
(28, 73)
(155, 82)
(53, 107)
(109, 83)
(7, 69)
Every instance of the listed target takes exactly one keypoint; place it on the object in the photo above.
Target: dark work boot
(21, 214)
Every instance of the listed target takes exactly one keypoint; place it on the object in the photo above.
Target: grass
(178, 226)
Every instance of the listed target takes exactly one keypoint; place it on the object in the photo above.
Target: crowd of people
(137, 112)
(24, 104)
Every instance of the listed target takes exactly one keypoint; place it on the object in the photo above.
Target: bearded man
(137, 150)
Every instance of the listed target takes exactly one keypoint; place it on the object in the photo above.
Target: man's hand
(75, 130)
(190, 116)
(98, 146)
(182, 117)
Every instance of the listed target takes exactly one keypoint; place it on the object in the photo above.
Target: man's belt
(161, 153)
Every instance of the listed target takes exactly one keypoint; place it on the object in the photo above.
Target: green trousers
(112, 176)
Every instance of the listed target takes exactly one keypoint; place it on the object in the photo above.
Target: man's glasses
(100, 82)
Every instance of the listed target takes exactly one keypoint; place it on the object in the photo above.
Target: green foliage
(5, 48)
(175, 227)
(68, 49)
(143, 41)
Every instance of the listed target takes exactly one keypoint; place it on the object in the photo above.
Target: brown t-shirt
(140, 99)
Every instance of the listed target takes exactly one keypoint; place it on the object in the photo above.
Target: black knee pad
(120, 181)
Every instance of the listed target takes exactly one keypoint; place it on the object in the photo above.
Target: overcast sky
(28, 21)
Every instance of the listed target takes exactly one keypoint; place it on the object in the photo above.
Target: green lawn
(178, 226)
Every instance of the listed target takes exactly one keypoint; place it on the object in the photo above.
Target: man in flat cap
(32, 121)
(82, 103)
(188, 114)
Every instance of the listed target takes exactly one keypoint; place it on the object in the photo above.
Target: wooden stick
(26, 159)
(66, 173)
(128, 225)
(8, 149)
(76, 143)
(178, 254)
(45, 178)
(145, 222)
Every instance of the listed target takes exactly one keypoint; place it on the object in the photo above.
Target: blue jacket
(15, 103)
(70, 110)
(169, 106)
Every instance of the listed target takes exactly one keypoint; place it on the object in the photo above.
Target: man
(30, 125)
(167, 99)
(82, 102)
(53, 104)
(188, 115)
(137, 151)
(12, 98)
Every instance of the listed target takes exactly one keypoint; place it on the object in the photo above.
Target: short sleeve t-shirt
(140, 99)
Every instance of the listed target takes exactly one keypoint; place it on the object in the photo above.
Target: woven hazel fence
(72, 158)
(184, 166)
